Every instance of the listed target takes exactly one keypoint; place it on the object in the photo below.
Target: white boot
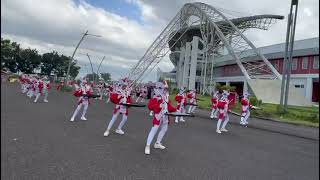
(45, 101)
(151, 113)
(106, 133)
(119, 131)
(182, 120)
(83, 118)
(147, 150)
(72, 119)
(176, 121)
(218, 131)
(223, 130)
(159, 146)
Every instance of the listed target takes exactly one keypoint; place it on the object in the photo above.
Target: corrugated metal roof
(301, 48)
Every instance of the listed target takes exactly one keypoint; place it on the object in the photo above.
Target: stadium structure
(304, 72)
(207, 45)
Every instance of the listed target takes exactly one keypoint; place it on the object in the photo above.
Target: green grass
(308, 116)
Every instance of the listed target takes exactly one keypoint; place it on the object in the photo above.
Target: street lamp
(74, 52)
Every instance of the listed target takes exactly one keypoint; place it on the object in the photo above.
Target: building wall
(234, 70)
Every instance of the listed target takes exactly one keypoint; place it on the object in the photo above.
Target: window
(316, 62)
(276, 64)
(294, 64)
(305, 63)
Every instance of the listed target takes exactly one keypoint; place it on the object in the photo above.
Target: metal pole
(290, 56)
(285, 60)
(100, 64)
(91, 67)
(205, 72)
(74, 52)
(211, 74)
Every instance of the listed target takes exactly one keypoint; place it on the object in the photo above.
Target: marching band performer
(192, 100)
(245, 107)
(39, 88)
(143, 93)
(214, 102)
(83, 93)
(120, 96)
(60, 85)
(42, 89)
(224, 109)
(110, 89)
(182, 101)
(160, 105)
(32, 87)
(100, 88)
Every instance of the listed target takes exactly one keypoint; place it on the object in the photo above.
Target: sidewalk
(269, 125)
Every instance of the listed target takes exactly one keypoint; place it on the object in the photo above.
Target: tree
(49, 63)
(106, 76)
(74, 70)
(9, 55)
(28, 60)
(90, 76)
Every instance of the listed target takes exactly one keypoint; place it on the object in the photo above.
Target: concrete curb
(274, 126)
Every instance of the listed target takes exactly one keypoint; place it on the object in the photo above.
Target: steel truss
(217, 30)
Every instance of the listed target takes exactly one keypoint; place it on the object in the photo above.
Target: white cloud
(58, 24)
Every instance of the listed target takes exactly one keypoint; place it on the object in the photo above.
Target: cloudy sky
(128, 27)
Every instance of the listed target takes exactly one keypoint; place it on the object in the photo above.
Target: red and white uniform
(143, 93)
(84, 90)
(214, 105)
(110, 90)
(60, 85)
(32, 88)
(181, 98)
(245, 109)
(122, 95)
(23, 82)
(83, 100)
(100, 88)
(160, 105)
(192, 100)
(42, 87)
(224, 109)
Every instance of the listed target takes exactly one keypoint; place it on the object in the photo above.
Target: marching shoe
(119, 131)
(45, 101)
(224, 130)
(182, 120)
(159, 146)
(83, 118)
(106, 133)
(72, 119)
(211, 116)
(147, 150)
(218, 131)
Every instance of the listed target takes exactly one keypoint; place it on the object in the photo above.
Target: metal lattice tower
(218, 29)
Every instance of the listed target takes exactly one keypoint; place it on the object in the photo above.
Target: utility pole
(292, 19)
(74, 52)
(100, 65)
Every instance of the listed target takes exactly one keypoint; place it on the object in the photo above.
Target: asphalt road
(39, 142)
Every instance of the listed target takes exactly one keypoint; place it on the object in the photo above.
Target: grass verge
(308, 116)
